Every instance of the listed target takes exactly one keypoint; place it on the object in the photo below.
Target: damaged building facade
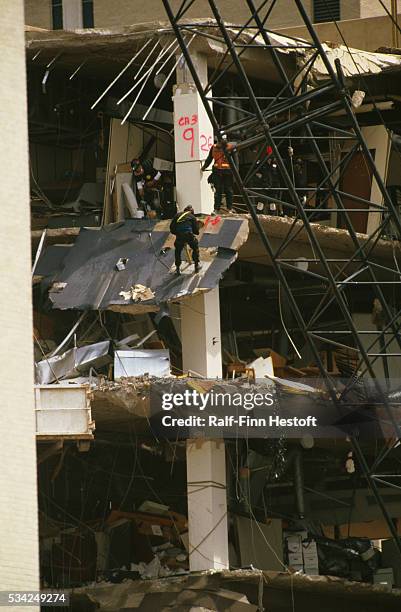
(73, 14)
(297, 301)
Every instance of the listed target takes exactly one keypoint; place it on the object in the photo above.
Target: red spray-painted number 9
(189, 136)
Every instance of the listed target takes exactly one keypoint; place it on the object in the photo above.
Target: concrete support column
(200, 332)
(201, 335)
(207, 505)
(193, 137)
(19, 558)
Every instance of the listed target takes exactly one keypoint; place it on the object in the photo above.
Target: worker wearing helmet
(185, 227)
(148, 180)
(221, 177)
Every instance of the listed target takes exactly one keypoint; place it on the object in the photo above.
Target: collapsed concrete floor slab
(334, 241)
(237, 591)
(86, 276)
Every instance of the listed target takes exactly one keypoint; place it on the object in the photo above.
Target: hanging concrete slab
(88, 278)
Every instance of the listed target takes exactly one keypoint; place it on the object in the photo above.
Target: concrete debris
(154, 569)
(153, 507)
(56, 287)
(262, 367)
(357, 98)
(240, 589)
(137, 293)
(354, 61)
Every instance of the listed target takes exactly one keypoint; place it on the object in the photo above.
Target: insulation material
(87, 277)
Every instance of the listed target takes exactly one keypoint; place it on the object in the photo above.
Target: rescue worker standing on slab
(185, 227)
(221, 177)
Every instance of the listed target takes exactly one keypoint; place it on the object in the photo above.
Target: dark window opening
(87, 14)
(326, 10)
(57, 14)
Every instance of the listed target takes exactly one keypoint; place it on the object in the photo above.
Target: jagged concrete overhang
(120, 42)
(85, 276)
(279, 588)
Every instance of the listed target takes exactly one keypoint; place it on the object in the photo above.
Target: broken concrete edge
(370, 62)
(64, 235)
(331, 237)
(326, 585)
(141, 307)
(132, 296)
(93, 38)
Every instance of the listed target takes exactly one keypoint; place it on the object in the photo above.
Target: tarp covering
(87, 277)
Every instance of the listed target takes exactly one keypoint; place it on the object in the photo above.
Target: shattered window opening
(57, 14)
(87, 14)
(326, 10)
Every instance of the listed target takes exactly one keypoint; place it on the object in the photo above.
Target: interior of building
(303, 283)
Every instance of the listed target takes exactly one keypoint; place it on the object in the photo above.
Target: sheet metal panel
(72, 363)
(137, 362)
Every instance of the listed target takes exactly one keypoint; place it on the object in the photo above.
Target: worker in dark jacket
(185, 227)
(221, 177)
(148, 184)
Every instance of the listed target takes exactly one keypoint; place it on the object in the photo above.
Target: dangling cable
(283, 324)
